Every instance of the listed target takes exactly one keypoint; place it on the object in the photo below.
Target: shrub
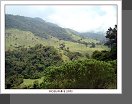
(87, 73)
(102, 56)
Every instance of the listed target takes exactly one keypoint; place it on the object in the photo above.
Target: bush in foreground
(83, 74)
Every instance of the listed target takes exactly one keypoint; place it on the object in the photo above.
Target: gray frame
(92, 99)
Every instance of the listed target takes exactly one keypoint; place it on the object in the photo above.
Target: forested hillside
(37, 26)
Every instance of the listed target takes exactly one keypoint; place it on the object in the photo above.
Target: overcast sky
(93, 18)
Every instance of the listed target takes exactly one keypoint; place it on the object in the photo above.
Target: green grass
(29, 82)
(76, 47)
(17, 38)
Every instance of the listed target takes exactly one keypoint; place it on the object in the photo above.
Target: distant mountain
(37, 26)
(96, 36)
(44, 29)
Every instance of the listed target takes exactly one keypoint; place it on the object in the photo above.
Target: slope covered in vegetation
(27, 63)
(37, 26)
(43, 55)
(46, 64)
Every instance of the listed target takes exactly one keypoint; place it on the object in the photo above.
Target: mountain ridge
(36, 26)
(44, 29)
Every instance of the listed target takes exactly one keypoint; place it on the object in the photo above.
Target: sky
(86, 18)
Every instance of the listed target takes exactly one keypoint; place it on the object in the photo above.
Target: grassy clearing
(29, 82)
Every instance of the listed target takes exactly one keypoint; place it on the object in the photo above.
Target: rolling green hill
(17, 38)
(26, 32)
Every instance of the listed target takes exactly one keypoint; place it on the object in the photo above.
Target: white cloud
(80, 18)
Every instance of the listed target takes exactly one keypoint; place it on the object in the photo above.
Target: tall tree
(111, 35)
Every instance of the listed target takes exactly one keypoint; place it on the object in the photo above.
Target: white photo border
(63, 91)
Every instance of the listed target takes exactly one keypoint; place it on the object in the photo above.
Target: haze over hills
(97, 36)
(45, 29)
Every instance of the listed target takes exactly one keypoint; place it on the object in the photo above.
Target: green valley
(42, 55)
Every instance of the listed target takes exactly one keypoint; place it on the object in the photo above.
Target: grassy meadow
(17, 38)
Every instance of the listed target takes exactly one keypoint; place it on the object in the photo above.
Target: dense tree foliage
(29, 62)
(74, 55)
(42, 61)
(13, 80)
(111, 36)
(93, 45)
(101, 55)
(86, 73)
